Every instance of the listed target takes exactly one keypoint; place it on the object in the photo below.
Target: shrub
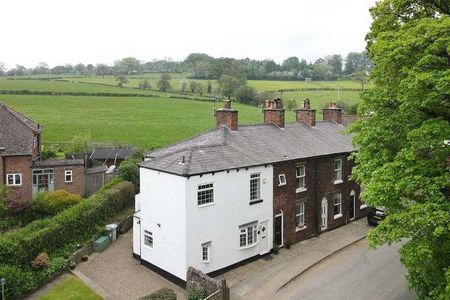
(288, 244)
(246, 94)
(51, 203)
(275, 248)
(196, 293)
(129, 169)
(41, 261)
(161, 294)
(18, 281)
(73, 225)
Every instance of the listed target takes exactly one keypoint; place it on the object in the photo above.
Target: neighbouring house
(232, 193)
(20, 165)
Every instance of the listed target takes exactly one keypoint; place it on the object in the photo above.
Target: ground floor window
(68, 176)
(14, 179)
(206, 252)
(248, 235)
(300, 214)
(148, 238)
(337, 204)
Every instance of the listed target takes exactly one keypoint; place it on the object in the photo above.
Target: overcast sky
(101, 31)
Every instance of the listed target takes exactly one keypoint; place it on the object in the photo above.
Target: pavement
(265, 277)
(115, 275)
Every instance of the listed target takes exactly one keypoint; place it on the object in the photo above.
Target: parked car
(375, 215)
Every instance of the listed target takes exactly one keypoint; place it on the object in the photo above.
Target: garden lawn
(70, 288)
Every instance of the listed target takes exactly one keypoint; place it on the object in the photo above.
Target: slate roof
(103, 154)
(58, 162)
(16, 132)
(251, 145)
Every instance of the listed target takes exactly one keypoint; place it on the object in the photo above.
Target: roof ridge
(15, 114)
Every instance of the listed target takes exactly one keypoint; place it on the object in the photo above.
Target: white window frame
(301, 179)
(281, 179)
(68, 173)
(337, 171)
(206, 249)
(16, 179)
(148, 239)
(337, 196)
(300, 216)
(248, 235)
(202, 191)
(255, 178)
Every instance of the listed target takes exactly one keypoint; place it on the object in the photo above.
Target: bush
(41, 261)
(51, 203)
(73, 225)
(246, 94)
(196, 293)
(161, 294)
(129, 169)
(19, 281)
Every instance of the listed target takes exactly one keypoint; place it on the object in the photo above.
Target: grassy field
(70, 288)
(144, 122)
(141, 121)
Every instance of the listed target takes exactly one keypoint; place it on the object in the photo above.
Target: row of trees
(203, 66)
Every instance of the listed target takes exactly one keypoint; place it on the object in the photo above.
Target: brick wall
(20, 164)
(275, 116)
(319, 182)
(77, 184)
(227, 117)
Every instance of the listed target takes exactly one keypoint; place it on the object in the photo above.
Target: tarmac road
(355, 272)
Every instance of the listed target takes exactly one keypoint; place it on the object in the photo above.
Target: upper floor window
(148, 238)
(14, 179)
(206, 252)
(337, 205)
(68, 176)
(281, 179)
(300, 176)
(337, 171)
(255, 187)
(248, 235)
(205, 194)
(300, 214)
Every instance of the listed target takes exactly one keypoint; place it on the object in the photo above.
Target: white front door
(324, 214)
(263, 237)
(137, 235)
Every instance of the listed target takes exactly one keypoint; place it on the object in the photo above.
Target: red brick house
(20, 164)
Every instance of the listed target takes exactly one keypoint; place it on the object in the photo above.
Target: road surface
(353, 273)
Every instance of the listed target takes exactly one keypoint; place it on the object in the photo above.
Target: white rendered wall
(162, 211)
(219, 223)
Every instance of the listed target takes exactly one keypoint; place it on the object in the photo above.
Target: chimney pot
(332, 113)
(227, 116)
(305, 113)
(274, 112)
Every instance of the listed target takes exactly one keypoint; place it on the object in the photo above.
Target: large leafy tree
(403, 137)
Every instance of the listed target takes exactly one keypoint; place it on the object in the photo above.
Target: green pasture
(319, 99)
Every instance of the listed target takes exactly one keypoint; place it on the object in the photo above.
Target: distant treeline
(203, 66)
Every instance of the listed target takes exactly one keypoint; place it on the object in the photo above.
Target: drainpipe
(317, 205)
(2, 149)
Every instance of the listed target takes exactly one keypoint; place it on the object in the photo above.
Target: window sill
(14, 185)
(297, 229)
(281, 184)
(255, 201)
(337, 216)
(148, 247)
(300, 190)
(363, 206)
(338, 181)
(205, 205)
(206, 261)
(248, 247)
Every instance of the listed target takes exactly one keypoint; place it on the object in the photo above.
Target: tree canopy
(403, 137)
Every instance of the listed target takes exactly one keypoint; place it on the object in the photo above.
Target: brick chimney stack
(274, 112)
(332, 113)
(305, 113)
(227, 116)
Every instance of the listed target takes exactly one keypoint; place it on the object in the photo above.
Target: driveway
(115, 274)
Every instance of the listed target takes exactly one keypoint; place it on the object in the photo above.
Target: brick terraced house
(232, 193)
(20, 165)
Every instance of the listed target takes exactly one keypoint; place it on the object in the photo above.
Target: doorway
(351, 210)
(278, 232)
(43, 181)
(324, 214)
(263, 240)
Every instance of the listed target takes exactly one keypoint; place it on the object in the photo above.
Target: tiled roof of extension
(16, 132)
(250, 145)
